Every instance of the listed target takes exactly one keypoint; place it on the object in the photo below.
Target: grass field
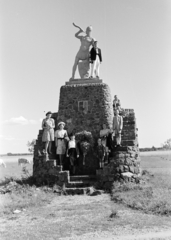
(13, 169)
(139, 213)
(156, 162)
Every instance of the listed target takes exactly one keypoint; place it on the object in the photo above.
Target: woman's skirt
(61, 147)
(48, 135)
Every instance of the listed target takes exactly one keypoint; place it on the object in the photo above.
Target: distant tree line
(165, 146)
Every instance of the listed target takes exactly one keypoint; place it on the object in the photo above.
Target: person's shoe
(91, 77)
(97, 77)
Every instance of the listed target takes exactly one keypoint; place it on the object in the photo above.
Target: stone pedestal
(85, 106)
(84, 81)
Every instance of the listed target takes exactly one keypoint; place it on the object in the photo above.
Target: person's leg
(60, 159)
(50, 146)
(98, 68)
(75, 67)
(93, 66)
(107, 155)
(119, 138)
(46, 146)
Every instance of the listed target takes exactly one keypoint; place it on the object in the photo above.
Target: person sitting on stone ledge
(61, 137)
(117, 127)
(95, 60)
(116, 103)
(48, 126)
(104, 134)
(100, 153)
(72, 153)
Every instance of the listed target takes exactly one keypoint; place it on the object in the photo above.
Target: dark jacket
(93, 54)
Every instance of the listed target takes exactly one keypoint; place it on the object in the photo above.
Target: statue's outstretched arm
(78, 27)
(77, 33)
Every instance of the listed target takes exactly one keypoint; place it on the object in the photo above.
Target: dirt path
(84, 218)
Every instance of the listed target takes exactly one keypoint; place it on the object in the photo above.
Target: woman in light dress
(61, 137)
(86, 42)
(48, 126)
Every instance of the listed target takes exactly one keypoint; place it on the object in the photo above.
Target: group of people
(109, 138)
(64, 145)
(67, 145)
(94, 56)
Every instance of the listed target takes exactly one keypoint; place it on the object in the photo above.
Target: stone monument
(85, 105)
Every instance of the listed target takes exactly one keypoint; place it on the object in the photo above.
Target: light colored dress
(48, 126)
(61, 144)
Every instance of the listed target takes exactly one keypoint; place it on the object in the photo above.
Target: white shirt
(60, 133)
(71, 144)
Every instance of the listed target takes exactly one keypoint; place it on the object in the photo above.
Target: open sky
(37, 51)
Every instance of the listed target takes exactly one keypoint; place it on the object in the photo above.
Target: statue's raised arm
(78, 27)
(86, 42)
(80, 31)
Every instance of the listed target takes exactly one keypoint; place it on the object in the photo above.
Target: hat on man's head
(48, 113)
(61, 123)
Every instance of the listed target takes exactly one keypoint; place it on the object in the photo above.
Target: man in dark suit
(95, 59)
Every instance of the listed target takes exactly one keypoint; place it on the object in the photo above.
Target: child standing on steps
(100, 153)
(72, 153)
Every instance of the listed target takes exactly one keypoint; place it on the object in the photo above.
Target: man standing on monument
(96, 59)
(117, 127)
(86, 42)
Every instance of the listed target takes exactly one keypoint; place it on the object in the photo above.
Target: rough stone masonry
(85, 105)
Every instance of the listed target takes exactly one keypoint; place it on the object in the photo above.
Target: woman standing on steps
(60, 141)
(48, 126)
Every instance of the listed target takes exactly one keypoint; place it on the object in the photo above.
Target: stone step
(82, 178)
(79, 191)
(79, 184)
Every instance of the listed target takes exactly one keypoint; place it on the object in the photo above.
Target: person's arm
(113, 123)
(43, 124)
(67, 150)
(100, 55)
(66, 135)
(53, 123)
(77, 150)
(56, 139)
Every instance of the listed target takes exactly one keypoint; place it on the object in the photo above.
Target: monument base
(84, 81)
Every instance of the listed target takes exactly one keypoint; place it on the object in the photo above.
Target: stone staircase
(80, 184)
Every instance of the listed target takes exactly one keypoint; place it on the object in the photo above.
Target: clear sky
(37, 51)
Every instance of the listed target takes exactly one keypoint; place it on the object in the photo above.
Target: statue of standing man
(83, 53)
